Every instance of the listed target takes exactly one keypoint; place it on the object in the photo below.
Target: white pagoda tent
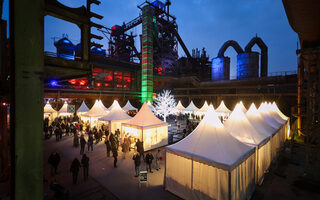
(203, 109)
(191, 108)
(260, 124)
(148, 128)
(105, 108)
(180, 107)
(129, 107)
(115, 117)
(115, 103)
(210, 164)
(284, 117)
(151, 106)
(222, 111)
(240, 127)
(97, 111)
(83, 108)
(243, 108)
(49, 112)
(64, 110)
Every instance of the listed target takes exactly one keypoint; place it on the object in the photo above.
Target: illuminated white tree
(165, 104)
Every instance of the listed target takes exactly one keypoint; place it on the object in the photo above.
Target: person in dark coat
(140, 148)
(54, 160)
(137, 160)
(90, 142)
(74, 169)
(108, 146)
(85, 165)
(76, 140)
(82, 144)
(115, 156)
(149, 158)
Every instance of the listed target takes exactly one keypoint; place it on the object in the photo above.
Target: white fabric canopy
(222, 109)
(83, 108)
(265, 113)
(210, 164)
(203, 109)
(115, 114)
(211, 141)
(180, 107)
(48, 108)
(128, 107)
(114, 104)
(105, 108)
(97, 110)
(150, 106)
(275, 108)
(275, 114)
(191, 108)
(241, 128)
(145, 118)
(64, 109)
(244, 110)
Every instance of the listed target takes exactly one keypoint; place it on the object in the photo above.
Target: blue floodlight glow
(53, 83)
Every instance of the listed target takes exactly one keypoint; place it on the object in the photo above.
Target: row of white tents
(225, 161)
(222, 110)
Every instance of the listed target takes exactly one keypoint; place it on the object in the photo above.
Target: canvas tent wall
(210, 164)
(276, 139)
(180, 107)
(148, 128)
(280, 120)
(260, 124)
(129, 107)
(83, 108)
(49, 112)
(97, 111)
(240, 127)
(222, 111)
(64, 110)
(115, 118)
(203, 109)
(190, 109)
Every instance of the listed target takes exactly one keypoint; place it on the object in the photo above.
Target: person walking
(74, 169)
(149, 158)
(85, 164)
(140, 148)
(108, 147)
(125, 148)
(90, 142)
(158, 158)
(76, 140)
(137, 161)
(82, 144)
(115, 156)
(54, 160)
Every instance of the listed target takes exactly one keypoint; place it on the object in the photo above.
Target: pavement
(105, 181)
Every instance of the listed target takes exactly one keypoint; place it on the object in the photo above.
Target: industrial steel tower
(147, 53)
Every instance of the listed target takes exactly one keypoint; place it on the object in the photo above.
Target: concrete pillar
(27, 108)
(147, 54)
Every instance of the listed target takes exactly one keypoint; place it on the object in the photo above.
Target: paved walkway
(105, 182)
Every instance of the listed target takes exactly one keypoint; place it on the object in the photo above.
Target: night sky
(201, 23)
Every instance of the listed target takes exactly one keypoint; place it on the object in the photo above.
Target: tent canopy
(191, 107)
(211, 142)
(48, 108)
(128, 107)
(180, 107)
(240, 127)
(244, 110)
(83, 108)
(275, 114)
(105, 108)
(222, 109)
(275, 108)
(64, 108)
(258, 122)
(144, 118)
(115, 104)
(204, 108)
(266, 114)
(116, 113)
(97, 110)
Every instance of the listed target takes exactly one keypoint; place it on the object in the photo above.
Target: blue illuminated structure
(65, 48)
(53, 83)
